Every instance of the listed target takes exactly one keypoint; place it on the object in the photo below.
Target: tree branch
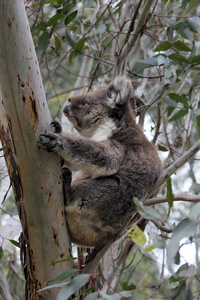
(162, 199)
(139, 28)
(175, 166)
(37, 183)
(97, 254)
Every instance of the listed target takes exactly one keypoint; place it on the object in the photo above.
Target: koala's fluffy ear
(119, 91)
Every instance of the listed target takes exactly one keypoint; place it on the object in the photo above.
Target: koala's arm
(96, 158)
(100, 159)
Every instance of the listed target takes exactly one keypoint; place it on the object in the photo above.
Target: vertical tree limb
(131, 40)
(24, 114)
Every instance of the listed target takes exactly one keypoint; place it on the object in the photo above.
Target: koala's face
(86, 112)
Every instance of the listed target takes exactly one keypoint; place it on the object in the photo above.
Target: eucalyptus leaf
(43, 42)
(148, 248)
(179, 58)
(186, 34)
(163, 61)
(180, 114)
(157, 242)
(5, 148)
(137, 236)
(170, 33)
(53, 20)
(195, 211)
(56, 285)
(1, 252)
(180, 46)
(79, 45)
(67, 7)
(195, 188)
(87, 291)
(128, 287)
(72, 55)
(101, 29)
(69, 38)
(57, 42)
(15, 243)
(147, 212)
(178, 98)
(163, 46)
(196, 59)
(186, 271)
(194, 24)
(73, 286)
(71, 17)
(41, 26)
(93, 296)
(185, 228)
(151, 61)
(170, 102)
(65, 275)
(169, 195)
(63, 260)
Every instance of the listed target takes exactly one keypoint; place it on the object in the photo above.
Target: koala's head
(90, 110)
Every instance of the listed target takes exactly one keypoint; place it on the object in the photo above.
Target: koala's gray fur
(112, 159)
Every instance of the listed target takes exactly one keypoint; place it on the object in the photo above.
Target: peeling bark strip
(9, 154)
(33, 103)
(24, 114)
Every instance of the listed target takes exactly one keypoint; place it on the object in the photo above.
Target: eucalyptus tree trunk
(37, 180)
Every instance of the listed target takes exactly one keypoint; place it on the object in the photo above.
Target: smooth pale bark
(24, 114)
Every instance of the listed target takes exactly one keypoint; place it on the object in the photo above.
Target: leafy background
(79, 45)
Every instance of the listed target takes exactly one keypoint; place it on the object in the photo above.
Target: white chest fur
(104, 131)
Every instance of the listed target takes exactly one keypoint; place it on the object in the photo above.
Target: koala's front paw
(50, 143)
(57, 126)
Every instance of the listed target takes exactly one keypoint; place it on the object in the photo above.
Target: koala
(112, 162)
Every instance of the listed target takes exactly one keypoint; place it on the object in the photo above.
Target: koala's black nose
(67, 107)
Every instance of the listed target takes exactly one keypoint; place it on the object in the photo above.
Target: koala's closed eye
(83, 104)
(112, 160)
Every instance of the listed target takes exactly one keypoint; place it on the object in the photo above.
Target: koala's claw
(50, 143)
(57, 126)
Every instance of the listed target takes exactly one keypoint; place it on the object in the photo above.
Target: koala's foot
(50, 142)
(57, 126)
(67, 176)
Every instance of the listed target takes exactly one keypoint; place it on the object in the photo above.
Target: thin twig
(161, 227)
(144, 76)
(67, 91)
(157, 125)
(162, 199)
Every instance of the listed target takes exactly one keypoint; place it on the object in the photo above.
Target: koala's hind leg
(67, 179)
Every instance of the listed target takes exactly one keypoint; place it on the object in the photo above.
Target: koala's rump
(96, 211)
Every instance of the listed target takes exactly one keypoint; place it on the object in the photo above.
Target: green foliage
(185, 228)
(15, 243)
(65, 275)
(169, 195)
(137, 236)
(164, 66)
(146, 212)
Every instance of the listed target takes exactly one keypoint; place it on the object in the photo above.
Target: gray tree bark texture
(37, 184)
